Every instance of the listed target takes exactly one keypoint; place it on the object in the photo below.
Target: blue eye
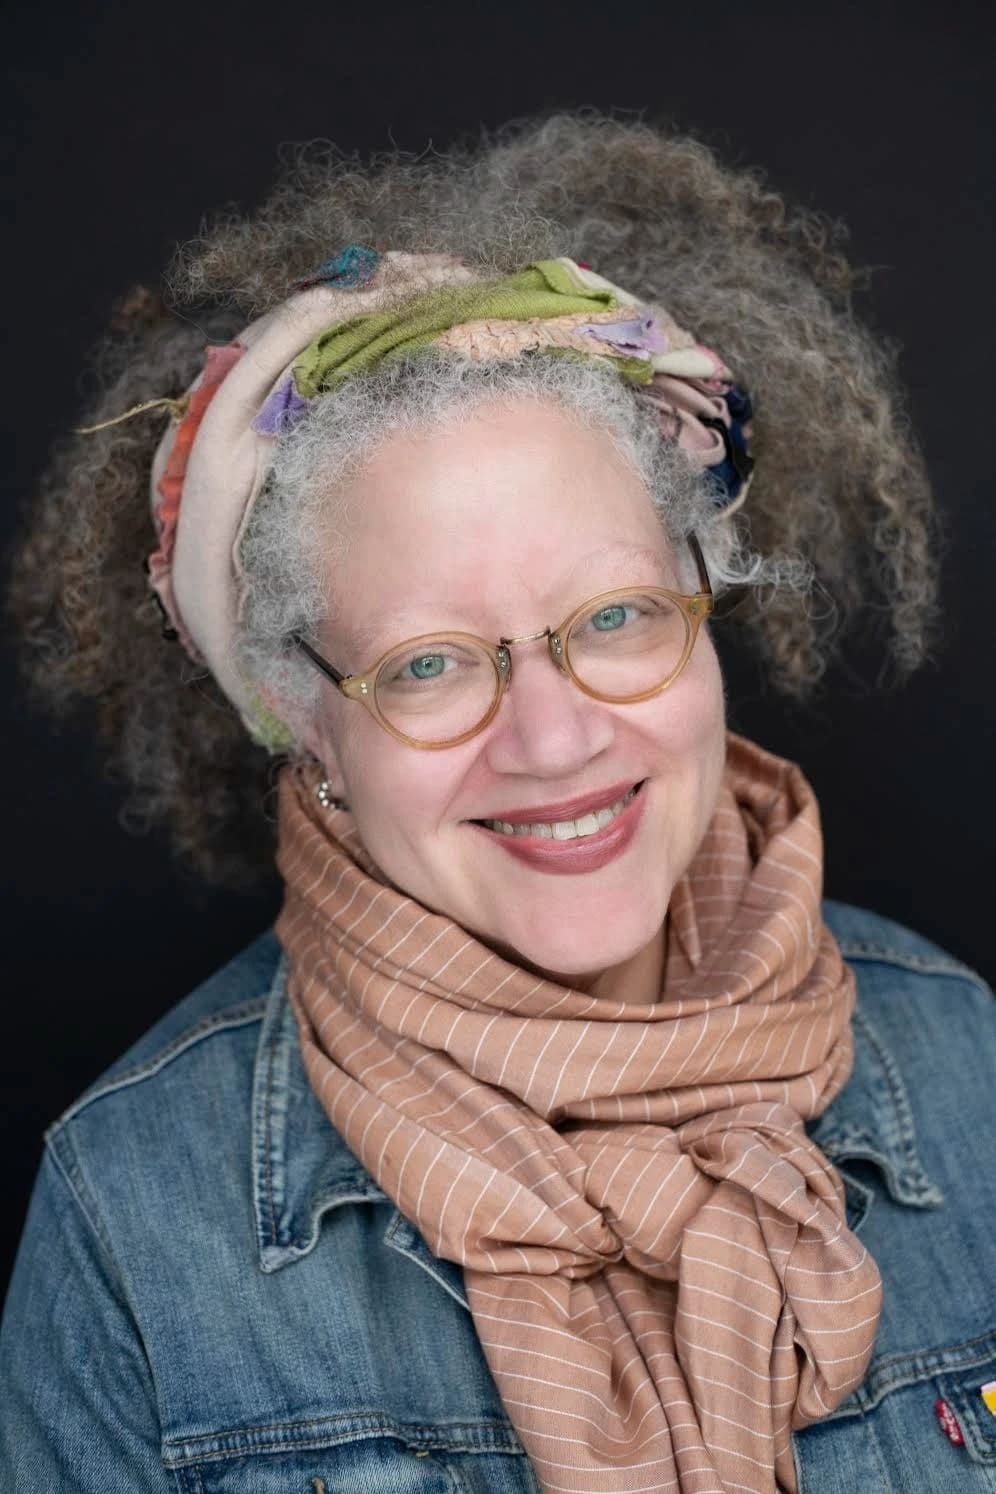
(427, 666)
(609, 618)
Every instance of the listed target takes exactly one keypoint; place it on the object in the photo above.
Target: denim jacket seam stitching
(241, 1015)
(857, 1148)
(361, 1189)
(396, 1226)
(877, 1451)
(358, 1188)
(897, 1371)
(984, 1342)
(268, 1148)
(265, 1206)
(924, 964)
(900, 1099)
(499, 1436)
(842, 1141)
(70, 1170)
(464, 1423)
(923, 1188)
(83, 1197)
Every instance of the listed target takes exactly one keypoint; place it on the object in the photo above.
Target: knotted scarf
(654, 1252)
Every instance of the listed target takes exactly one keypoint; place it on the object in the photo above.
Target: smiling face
(501, 527)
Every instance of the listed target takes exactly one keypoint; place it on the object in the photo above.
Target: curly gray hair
(840, 504)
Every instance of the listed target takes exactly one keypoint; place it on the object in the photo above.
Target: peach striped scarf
(654, 1252)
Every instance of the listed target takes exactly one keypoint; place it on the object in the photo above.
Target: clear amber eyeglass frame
(362, 687)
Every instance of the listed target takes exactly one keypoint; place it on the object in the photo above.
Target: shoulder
(180, 1099)
(924, 1047)
(145, 1167)
(867, 938)
(232, 998)
(926, 1011)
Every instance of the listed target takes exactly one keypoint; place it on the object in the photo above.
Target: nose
(545, 725)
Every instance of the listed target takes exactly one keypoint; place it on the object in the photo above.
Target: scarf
(654, 1252)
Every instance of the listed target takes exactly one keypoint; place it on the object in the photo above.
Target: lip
(564, 809)
(570, 857)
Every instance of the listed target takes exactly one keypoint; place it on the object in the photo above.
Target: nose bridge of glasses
(553, 640)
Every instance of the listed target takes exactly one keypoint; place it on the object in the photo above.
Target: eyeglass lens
(624, 646)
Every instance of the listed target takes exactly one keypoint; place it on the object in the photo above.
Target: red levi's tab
(949, 1423)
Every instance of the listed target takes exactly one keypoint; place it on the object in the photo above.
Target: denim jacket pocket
(918, 1422)
(962, 1390)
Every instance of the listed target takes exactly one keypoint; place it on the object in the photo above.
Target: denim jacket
(213, 1296)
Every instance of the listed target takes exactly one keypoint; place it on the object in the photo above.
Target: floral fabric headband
(359, 308)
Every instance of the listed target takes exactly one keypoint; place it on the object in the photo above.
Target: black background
(128, 123)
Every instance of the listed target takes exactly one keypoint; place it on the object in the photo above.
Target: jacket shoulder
(871, 938)
(232, 996)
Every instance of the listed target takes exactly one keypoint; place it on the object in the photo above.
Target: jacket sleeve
(77, 1403)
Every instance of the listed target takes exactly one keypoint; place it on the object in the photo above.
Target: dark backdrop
(128, 122)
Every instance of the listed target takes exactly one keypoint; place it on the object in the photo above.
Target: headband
(356, 310)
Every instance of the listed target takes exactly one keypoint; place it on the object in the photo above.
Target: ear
(317, 739)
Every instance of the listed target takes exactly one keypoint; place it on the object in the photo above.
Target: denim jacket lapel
(872, 1120)
(301, 1166)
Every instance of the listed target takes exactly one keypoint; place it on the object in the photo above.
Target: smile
(570, 847)
(579, 829)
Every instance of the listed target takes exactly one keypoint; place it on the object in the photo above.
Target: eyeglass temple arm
(704, 581)
(316, 658)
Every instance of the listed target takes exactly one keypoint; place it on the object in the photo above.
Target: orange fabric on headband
(218, 360)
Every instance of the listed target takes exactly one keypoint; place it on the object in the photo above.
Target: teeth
(588, 824)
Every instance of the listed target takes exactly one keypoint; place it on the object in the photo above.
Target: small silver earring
(325, 797)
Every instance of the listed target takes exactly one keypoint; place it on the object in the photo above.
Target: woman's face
(501, 528)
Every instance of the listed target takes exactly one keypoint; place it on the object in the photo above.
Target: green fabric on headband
(264, 725)
(543, 289)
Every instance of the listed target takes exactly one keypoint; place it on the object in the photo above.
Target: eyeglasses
(439, 689)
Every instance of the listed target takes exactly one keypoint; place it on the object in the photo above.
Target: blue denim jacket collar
(301, 1167)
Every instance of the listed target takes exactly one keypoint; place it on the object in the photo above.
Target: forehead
(513, 513)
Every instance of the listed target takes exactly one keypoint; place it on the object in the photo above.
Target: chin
(578, 951)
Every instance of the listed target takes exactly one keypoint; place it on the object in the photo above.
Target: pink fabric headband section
(209, 468)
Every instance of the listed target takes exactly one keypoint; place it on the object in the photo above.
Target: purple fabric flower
(282, 409)
(639, 335)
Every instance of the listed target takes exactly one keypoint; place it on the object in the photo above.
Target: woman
(508, 1159)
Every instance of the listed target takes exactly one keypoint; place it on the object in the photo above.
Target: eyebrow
(366, 636)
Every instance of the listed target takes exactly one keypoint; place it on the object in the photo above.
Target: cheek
(690, 717)
(392, 784)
